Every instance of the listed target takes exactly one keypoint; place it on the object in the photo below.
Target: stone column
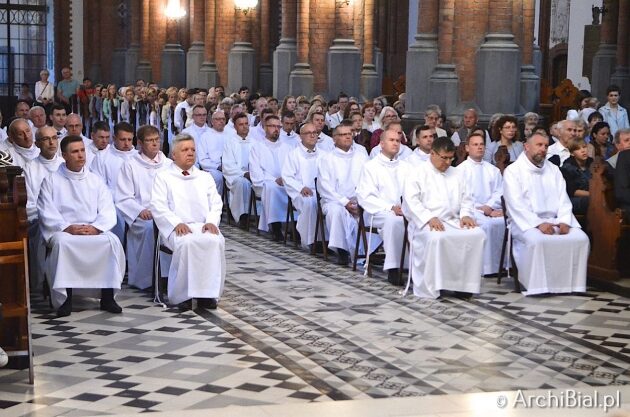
(301, 79)
(621, 76)
(94, 72)
(499, 64)
(208, 73)
(285, 55)
(265, 71)
(530, 81)
(443, 83)
(370, 87)
(422, 57)
(119, 54)
(196, 52)
(344, 58)
(241, 59)
(133, 51)
(605, 59)
(173, 63)
(143, 70)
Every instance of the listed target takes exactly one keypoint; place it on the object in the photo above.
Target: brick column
(301, 78)
(621, 76)
(196, 52)
(422, 57)
(265, 71)
(208, 73)
(241, 59)
(344, 58)
(285, 55)
(143, 70)
(370, 87)
(605, 59)
(530, 81)
(443, 83)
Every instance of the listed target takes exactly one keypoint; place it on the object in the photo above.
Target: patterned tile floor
(294, 328)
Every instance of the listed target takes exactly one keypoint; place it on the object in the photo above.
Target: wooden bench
(608, 260)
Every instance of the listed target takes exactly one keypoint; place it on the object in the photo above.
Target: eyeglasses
(343, 134)
(155, 140)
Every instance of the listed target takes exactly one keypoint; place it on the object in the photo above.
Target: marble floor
(294, 334)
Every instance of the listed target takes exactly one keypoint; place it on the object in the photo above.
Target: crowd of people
(105, 165)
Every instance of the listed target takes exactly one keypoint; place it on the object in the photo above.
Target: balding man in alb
(187, 209)
(446, 244)
(133, 196)
(209, 148)
(19, 144)
(550, 248)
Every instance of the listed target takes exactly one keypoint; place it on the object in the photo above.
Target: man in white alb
(100, 142)
(486, 184)
(19, 144)
(446, 244)
(187, 209)
(379, 191)
(424, 141)
(76, 213)
(298, 174)
(133, 196)
(209, 148)
(550, 249)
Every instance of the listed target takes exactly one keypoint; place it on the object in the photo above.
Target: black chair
(253, 199)
(507, 238)
(320, 227)
(405, 248)
(362, 235)
(226, 205)
(290, 217)
(158, 287)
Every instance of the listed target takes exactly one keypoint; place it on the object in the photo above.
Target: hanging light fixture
(245, 5)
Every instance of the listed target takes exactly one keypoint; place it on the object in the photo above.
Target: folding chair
(253, 199)
(362, 234)
(158, 289)
(405, 247)
(290, 216)
(226, 204)
(320, 227)
(507, 240)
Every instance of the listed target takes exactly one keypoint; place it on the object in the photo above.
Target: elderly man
(37, 117)
(559, 151)
(187, 209)
(74, 125)
(265, 165)
(550, 249)
(35, 171)
(19, 144)
(622, 143)
(486, 184)
(210, 148)
(298, 174)
(338, 176)
(446, 244)
(73, 230)
(133, 196)
(379, 191)
(236, 155)
(470, 123)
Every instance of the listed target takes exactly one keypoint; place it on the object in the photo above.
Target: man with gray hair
(559, 151)
(187, 209)
(210, 148)
(622, 143)
(19, 144)
(470, 123)
(37, 117)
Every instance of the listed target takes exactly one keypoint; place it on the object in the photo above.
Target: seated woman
(577, 174)
(600, 144)
(506, 131)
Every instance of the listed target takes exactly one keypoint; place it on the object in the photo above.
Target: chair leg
(365, 252)
(502, 259)
(294, 229)
(402, 255)
(322, 228)
(356, 246)
(286, 220)
(517, 284)
(313, 247)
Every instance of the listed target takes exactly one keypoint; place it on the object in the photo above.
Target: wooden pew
(608, 260)
(15, 337)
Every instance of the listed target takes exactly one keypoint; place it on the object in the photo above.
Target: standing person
(67, 89)
(44, 90)
(187, 209)
(72, 230)
(615, 115)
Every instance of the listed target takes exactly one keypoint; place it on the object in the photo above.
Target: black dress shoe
(242, 221)
(66, 308)
(276, 232)
(343, 257)
(186, 305)
(394, 278)
(462, 295)
(111, 306)
(209, 303)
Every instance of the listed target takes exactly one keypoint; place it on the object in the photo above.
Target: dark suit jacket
(622, 180)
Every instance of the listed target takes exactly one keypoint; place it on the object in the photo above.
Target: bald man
(19, 144)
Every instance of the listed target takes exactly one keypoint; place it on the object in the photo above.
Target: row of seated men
(262, 162)
(74, 211)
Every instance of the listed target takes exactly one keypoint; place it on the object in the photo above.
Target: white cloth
(486, 185)
(456, 139)
(69, 198)
(378, 190)
(132, 196)
(292, 139)
(558, 149)
(107, 165)
(178, 120)
(299, 171)
(198, 264)
(257, 133)
(235, 164)
(209, 150)
(325, 143)
(441, 260)
(196, 131)
(338, 174)
(404, 152)
(265, 166)
(546, 263)
(417, 157)
(20, 156)
(90, 154)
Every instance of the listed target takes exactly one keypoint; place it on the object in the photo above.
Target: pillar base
(194, 59)
(144, 71)
(119, 56)
(621, 78)
(369, 83)
(530, 88)
(422, 57)
(344, 63)
(241, 67)
(604, 63)
(173, 66)
(265, 79)
(444, 88)
(498, 74)
(131, 62)
(537, 60)
(378, 63)
(301, 80)
(284, 59)
(208, 74)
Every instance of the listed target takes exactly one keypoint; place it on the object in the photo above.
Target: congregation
(105, 167)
